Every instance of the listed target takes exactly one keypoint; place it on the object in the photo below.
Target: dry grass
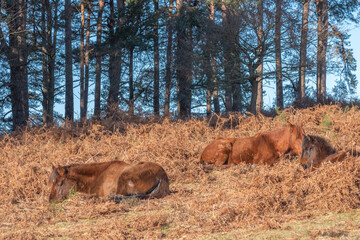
(205, 201)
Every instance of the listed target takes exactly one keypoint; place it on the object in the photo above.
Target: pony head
(314, 150)
(61, 186)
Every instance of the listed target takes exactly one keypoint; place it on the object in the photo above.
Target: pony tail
(161, 190)
(200, 160)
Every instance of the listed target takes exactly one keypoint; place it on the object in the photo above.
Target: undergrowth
(203, 200)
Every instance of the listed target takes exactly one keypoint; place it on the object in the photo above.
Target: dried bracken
(204, 199)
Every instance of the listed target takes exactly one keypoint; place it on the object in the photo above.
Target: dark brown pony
(143, 179)
(263, 148)
(316, 150)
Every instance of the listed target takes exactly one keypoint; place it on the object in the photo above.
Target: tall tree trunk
(236, 94)
(279, 80)
(180, 38)
(227, 55)
(16, 54)
(215, 86)
(45, 64)
(17, 58)
(49, 34)
(131, 81)
(207, 64)
(322, 29)
(115, 56)
(52, 27)
(156, 62)
(230, 39)
(210, 66)
(98, 60)
(259, 69)
(303, 49)
(87, 61)
(82, 62)
(236, 78)
(208, 99)
(184, 61)
(168, 71)
(69, 97)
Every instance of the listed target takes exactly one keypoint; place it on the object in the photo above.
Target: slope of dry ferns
(203, 199)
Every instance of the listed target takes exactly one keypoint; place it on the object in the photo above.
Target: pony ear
(308, 137)
(61, 170)
(52, 166)
(300, 128)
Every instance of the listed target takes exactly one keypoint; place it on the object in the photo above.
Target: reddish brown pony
(263, 148)
(316, 150)
(114, 178)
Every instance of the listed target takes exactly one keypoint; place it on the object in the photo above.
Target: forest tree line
(169, 57)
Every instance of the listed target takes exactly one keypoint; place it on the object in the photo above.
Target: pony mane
(325, 145)
(299, 131)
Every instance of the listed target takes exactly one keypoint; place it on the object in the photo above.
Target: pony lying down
(316, 150)
(116, 179)
(263, 148)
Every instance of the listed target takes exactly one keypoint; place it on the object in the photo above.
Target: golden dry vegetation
(206, 202)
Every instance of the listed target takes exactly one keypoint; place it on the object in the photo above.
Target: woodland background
(179, 58)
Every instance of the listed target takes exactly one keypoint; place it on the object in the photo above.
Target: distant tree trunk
(303, 49)
(45, 64)
(69, 97)
(52, 57)
(115, 56)
(279, 80)
(98, 60)
(16, 53)
(184, 61)
(131, 81)
(49, 34)
(229, 40)
(168, 71)
(87, 61)
(322, 29)
(259, 69)
(210, 66)
(156, 62)
(82, 63)
(215, 86)
(256, 70)
(236, 93)
(254, 92)
(180, 39)
(208, 100)
(227, 55)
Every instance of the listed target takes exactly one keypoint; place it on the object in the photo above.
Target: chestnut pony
(316, 150)
(143, 179)
(264, 148)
